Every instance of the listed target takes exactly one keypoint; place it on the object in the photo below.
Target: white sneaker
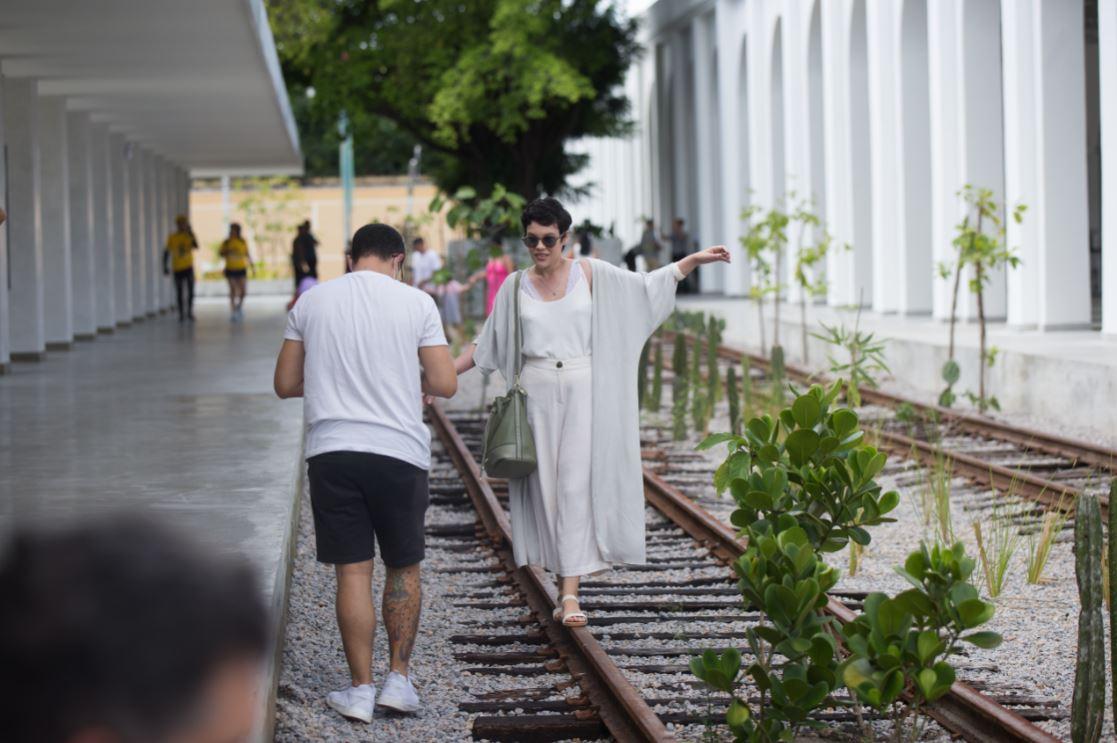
(355, 702)
(398, 694)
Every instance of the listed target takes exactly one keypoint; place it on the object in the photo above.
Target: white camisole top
(559, 329)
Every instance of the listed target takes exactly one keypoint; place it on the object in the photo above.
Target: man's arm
(439, 376)
(289, 370)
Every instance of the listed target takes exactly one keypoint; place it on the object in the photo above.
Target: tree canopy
(492, 89)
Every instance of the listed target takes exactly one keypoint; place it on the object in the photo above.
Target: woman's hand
(709, 255)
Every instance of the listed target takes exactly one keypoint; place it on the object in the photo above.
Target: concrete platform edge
(265, 713)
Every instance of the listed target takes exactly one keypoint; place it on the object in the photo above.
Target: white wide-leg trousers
(552, 521)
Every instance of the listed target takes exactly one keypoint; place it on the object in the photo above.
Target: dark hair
(234, 226)
(117, 625)
(546, 211)
(417, 241)
(377, 239)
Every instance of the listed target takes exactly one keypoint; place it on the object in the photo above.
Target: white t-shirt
(361, 379)
(423, 266)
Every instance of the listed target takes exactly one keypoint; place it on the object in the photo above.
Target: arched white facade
(879, 111)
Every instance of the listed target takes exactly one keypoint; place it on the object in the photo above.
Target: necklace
(548, 290)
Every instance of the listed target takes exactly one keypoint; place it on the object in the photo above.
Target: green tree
(272, 208)
(495, 87)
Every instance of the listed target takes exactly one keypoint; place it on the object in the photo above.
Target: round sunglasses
(549, 241)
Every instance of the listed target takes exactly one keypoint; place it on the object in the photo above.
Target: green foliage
(1088, 703)
(950, 375)
(864, 356)
(732, 392)
(809, 254)
(493, 87)
(905, 642)
(679, 389)
(1040, 543)
(996, 547)
(804, 484)
(655, 401)
(714, 330)
(779, 375)
(701, 403)
(486, 219)
(273, 207)
(746, 387)
(980, 244)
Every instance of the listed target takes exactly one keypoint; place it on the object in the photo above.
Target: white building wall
(84, 277)
(25, 236)
(1107, 47)
(58, 308)
(5, 312)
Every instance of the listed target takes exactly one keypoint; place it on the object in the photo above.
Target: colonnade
(89, 209)
(877, 112)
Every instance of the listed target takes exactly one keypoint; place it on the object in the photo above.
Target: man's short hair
(117, 625)
(380, 240)
(418, 241)
(547, 212)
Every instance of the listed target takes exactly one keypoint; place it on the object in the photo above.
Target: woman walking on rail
(583, 323)
(237, 262)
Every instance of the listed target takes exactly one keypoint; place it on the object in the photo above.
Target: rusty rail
(619, 705)
(963, 711)
(999, 477)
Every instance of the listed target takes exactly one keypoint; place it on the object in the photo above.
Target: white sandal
(574, 618)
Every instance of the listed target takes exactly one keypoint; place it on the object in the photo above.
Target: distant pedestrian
(237, 262)
(362, 350)
(179, 253)
(496, 270)
(304, 254)
(650, 247)
(681, 248)
(424, 262)
(582, 324)
(124, 632)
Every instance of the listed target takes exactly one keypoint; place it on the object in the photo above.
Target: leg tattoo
(403, 600)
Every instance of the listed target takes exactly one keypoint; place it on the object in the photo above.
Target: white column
(163, 201)
(733, 145)
(1045, 162)
(58, 312)
(887, 158)
(83, 266)
(5, 312)
(1107, 49)
(122, 256)
(25, 247)
(104, 240)
(703, 45)
(841, 289)
(966, 132)
(150, 246)
(137, 236)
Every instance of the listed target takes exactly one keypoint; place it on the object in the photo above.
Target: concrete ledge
(123, 323)
(1064, 377)
(59, 345)
(106, 331)
(85, 336)
(265, 712)
(28, 356)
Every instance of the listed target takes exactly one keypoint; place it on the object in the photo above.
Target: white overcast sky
(635, 7)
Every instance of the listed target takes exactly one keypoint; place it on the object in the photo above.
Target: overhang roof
(196, 81)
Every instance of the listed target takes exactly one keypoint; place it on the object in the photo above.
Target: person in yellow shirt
(179, 254)
(237, 262)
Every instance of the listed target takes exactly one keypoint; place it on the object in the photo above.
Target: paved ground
(178, 422)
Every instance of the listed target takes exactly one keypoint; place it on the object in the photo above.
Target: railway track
(1050, 469)
(626, 675)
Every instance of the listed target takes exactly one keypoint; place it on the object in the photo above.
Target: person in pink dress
(495, 272)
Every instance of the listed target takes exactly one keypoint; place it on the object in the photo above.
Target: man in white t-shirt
(424, 262)
(362, 350)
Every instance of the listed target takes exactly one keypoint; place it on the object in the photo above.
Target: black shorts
(357, 494)
(236, 273)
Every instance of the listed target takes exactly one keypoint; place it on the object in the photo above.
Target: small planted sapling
(980, 246)
(655, 400)
(809, 255)
(906, 642)
(755, 245)
(864, 357)
(804, 484)
(714, 330)
(699, 401)
(679, 389)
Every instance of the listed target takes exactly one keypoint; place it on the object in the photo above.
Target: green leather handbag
(509, 444)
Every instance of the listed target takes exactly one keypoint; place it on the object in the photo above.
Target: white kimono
(627, 308)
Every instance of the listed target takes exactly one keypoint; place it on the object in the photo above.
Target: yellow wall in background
(374, 199)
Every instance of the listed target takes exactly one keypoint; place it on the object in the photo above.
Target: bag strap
(519, 329)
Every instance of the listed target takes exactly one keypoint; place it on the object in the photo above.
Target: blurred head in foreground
(125, 633)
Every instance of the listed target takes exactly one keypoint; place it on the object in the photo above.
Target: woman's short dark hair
(380, 240)
(546, 211)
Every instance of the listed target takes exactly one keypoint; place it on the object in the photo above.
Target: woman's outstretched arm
(709, 255)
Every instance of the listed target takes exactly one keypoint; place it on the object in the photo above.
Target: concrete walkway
(174, 421)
